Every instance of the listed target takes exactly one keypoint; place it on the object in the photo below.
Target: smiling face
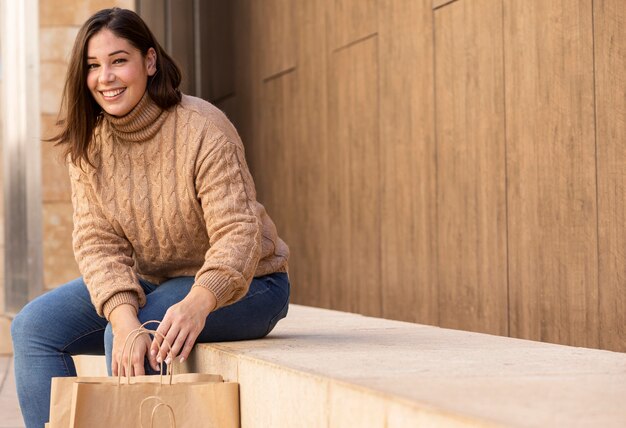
(118, 73)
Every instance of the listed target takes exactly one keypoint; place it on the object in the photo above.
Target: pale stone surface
(347, 404)
(402, 415)
(52, 81)
(454, 377)
(271, 396)
(213, 362)
(90, 365)
(11, 417)
(55, 43)
(6, 345)
(74, 12)
(58, 255)
(96, 5)
(1, 273)
(55, 177)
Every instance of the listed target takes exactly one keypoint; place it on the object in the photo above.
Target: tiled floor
(10, 416)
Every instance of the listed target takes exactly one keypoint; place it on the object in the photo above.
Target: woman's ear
(151, 58)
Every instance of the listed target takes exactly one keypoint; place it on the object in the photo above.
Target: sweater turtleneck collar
(140, 124)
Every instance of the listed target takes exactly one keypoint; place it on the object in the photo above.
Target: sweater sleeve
(104, 256)
(226, 191)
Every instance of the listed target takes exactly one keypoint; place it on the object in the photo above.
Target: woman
(166, 222)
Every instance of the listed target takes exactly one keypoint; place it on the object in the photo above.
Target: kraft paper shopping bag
(62, 390)
(193, 405)
(70, 405)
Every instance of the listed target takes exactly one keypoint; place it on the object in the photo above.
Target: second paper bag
(194, 405)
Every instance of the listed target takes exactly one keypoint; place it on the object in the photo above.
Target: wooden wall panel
(354, 178)
(278, 150)
(153, 13)
(247, 78)
(408, 223)
(350, 21)
(215, 73)
(180, 42)
(471, 193)
(610, 78)
(336, 107)
(276, 40)
(311, 249)
(552, 217)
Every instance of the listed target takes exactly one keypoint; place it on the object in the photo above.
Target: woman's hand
(182, 325)
(124, 320)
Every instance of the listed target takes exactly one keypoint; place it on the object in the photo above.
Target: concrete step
(322, 368)
(6, 346)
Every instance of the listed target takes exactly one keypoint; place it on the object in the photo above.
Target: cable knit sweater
(170, 195)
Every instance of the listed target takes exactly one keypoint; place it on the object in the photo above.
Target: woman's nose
(106, 75)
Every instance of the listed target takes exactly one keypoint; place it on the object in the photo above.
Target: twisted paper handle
(132, 337)
(172, 417)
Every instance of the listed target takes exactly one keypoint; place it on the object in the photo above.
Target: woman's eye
(119, 61)
(91, 66)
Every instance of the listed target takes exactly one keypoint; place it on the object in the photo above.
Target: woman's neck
(140, 124)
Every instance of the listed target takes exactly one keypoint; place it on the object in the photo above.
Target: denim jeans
(63, 322)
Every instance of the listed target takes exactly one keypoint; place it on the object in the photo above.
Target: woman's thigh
(252, 317)
(63, 318)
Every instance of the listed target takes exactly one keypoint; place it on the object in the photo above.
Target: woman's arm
(105, 261)
(104, 256)
(225, 189)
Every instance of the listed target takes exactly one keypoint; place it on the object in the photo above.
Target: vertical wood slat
(610, 78)
(217, 50)
(309, 243)
(354, 176)
(153, 13)
(552, 221)
(245, 78)
(278, 150)
(276, 41)
(471, 194)
(350, 21)
(408, 228)
(181, 37)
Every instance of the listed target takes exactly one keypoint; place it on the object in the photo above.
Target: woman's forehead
(106, 43)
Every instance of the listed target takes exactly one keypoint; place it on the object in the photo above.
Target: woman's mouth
(112, 94)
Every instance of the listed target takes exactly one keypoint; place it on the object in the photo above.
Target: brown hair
(80, 113)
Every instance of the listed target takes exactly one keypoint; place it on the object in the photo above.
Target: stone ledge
(6, 345)
(326, 368)
(322, 368)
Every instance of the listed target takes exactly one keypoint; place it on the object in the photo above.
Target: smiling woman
(166, 222)
(118, 72)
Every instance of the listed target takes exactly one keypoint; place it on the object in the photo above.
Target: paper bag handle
(172, 417)
(132, 336)
(170, 367)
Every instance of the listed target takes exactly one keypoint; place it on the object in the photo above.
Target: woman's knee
(27, 324)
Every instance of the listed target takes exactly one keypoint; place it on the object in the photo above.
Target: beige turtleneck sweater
(171, 195)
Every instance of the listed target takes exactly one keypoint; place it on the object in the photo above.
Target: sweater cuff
(218, 285)
(122, 298)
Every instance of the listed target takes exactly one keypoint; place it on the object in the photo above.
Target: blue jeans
(63, 322)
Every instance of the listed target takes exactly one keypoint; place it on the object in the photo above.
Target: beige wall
(59, 24)
(458, 166)
(5, 341)
(1, 211)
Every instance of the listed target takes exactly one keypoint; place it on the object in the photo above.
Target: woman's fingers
(158, 348)
(114, 366)
(180, 341)
(191, 340)
(137, 367)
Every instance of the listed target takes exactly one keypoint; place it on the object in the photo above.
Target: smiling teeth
(112, 93)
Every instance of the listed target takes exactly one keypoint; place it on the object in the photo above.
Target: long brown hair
(80, 114)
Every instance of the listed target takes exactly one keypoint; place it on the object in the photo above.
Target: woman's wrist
(123, 316)
(203, 296)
